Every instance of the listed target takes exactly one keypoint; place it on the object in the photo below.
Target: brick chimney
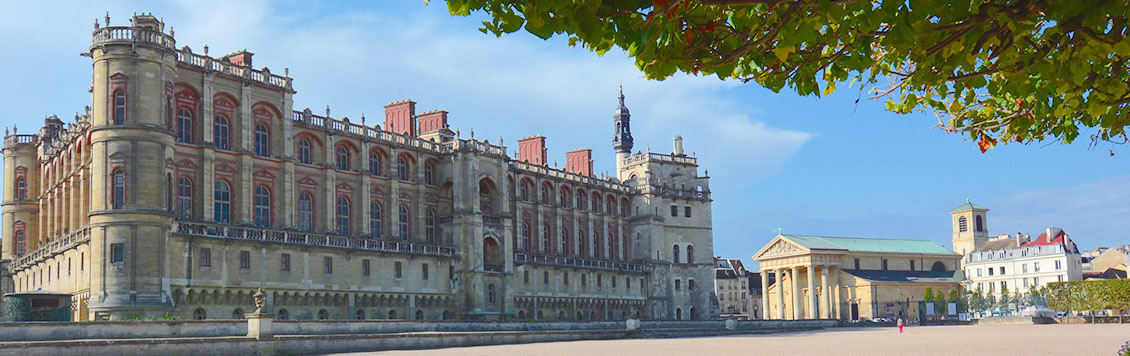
(240, 58)
(431, 121)
(579, 161)
(400, 117)
(532, 150)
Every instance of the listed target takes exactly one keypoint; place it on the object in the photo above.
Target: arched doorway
(678, 313)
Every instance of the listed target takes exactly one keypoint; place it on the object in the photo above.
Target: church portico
(821, 277)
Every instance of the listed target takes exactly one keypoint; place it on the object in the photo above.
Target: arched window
(980, 222)
(690, 254)
(613, 247)
(342, 216)
(524, 242)
(304, 151)
(262, 140)
(611, 207)
(624, 208)
(402, 221)
(430, 225)
(375, 163)
(220, 132)
(282, 315)
(675, 253)
(678, 313)
(938, 267)
(222, 202)
(360, 314)
(21, 189)
(262, 211)
(305, 212)
(419, 314)
(625, 244)
(597, 245)
(375, 219)
(563, 241)
(545, 194)
(184, 199)
(342, 158)
(962, 224)
(199, 314)
(21, 243)
(237, 314)
(401, 168)
(490, 293)
(392, 314)
(524, 191)
(492, 255)
(565, 198)
(118, 197)
(583, 248)
(581, 204)
(184, 125)
(543, 245)
(596, 203)
(429, 173)
(323, 314)
(119, 107)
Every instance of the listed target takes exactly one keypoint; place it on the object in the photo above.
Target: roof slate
(860, 244)
(968, 205)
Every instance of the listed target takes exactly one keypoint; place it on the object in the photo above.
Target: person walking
(900, 323)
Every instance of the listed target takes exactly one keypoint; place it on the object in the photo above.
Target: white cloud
(1095, 210)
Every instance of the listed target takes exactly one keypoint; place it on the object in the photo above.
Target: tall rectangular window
(205, 257)
(674, 211)
(1058, 265)
(244, 260)
(911, 265)
(678, 284)
(884, 264)
(328, 264)
(424, 271)
(284, 265)
(857, 263)
(364, 267)
(397, 269)
(687, 211)
(117, 253)
(119, 107)
(184, 198)
(545, 278)
(118, 180)
(262, 138)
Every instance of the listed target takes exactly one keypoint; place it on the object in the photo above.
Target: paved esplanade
(1077, 339)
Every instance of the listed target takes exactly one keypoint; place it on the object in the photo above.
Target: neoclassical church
(190, 181)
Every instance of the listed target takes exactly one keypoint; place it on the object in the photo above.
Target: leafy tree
(998, 71)
(928, 295)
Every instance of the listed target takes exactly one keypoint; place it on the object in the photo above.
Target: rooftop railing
(186, 57)
(307, 239)
(520, 257)
(569, 176)
(14, 140)
(637, 158)
(473, 145)
(130, 34)
(308, 119)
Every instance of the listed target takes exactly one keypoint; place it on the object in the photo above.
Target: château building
(190, 182)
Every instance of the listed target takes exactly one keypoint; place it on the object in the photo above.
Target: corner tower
(131, 143)
(970, 227)
(622, 141)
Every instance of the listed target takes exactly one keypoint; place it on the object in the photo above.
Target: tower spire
(622, 140)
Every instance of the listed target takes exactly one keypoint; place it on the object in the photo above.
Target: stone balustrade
(52, 248)
(196, 229)
(572, 177)
(305, 118)
(20, 140)
(131, 35)
(520, 257)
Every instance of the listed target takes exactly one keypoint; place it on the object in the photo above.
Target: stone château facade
(190, 182)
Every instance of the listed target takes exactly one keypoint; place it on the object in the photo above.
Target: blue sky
(808, 165)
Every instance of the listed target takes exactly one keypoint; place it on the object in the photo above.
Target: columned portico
(825, 301)
(811, 274)
(779, 273)
(765, 294)
(794, 274)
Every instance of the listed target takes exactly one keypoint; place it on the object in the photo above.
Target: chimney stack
(532, 150)
(579, 161)
(400, 117)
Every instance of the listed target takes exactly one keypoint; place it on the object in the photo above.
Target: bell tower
(970, 227)
(622, 141)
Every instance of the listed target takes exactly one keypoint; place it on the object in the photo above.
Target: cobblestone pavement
(1076, 339)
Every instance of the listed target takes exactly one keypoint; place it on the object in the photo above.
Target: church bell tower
(622, 141)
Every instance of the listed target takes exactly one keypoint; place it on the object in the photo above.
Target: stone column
(825, 302)
(764, 294)
(780, 294)
(796, 310)
(811, 312)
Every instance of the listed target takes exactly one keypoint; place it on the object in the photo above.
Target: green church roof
(968, 205)
(860, 244)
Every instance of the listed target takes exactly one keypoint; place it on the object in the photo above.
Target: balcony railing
(307, 239)
(186, 57)
(659, 157)
(53, 248)
(520, 257)
(13, 140)
(130, 34)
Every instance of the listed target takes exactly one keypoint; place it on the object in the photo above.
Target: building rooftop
(907, 276)
(968, 205)
(875, 245)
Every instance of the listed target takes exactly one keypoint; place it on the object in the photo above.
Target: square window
(117, 253)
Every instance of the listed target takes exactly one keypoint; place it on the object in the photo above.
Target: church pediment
(779, 247)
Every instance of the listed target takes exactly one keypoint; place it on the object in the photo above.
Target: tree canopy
(999, 71)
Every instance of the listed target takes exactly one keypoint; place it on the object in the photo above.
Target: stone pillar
(259, 326)
(811, 312)
(796, 310)
(764, 294)
(825, 300)
(780, 294)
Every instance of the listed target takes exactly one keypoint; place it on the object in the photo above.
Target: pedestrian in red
(900, 325)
